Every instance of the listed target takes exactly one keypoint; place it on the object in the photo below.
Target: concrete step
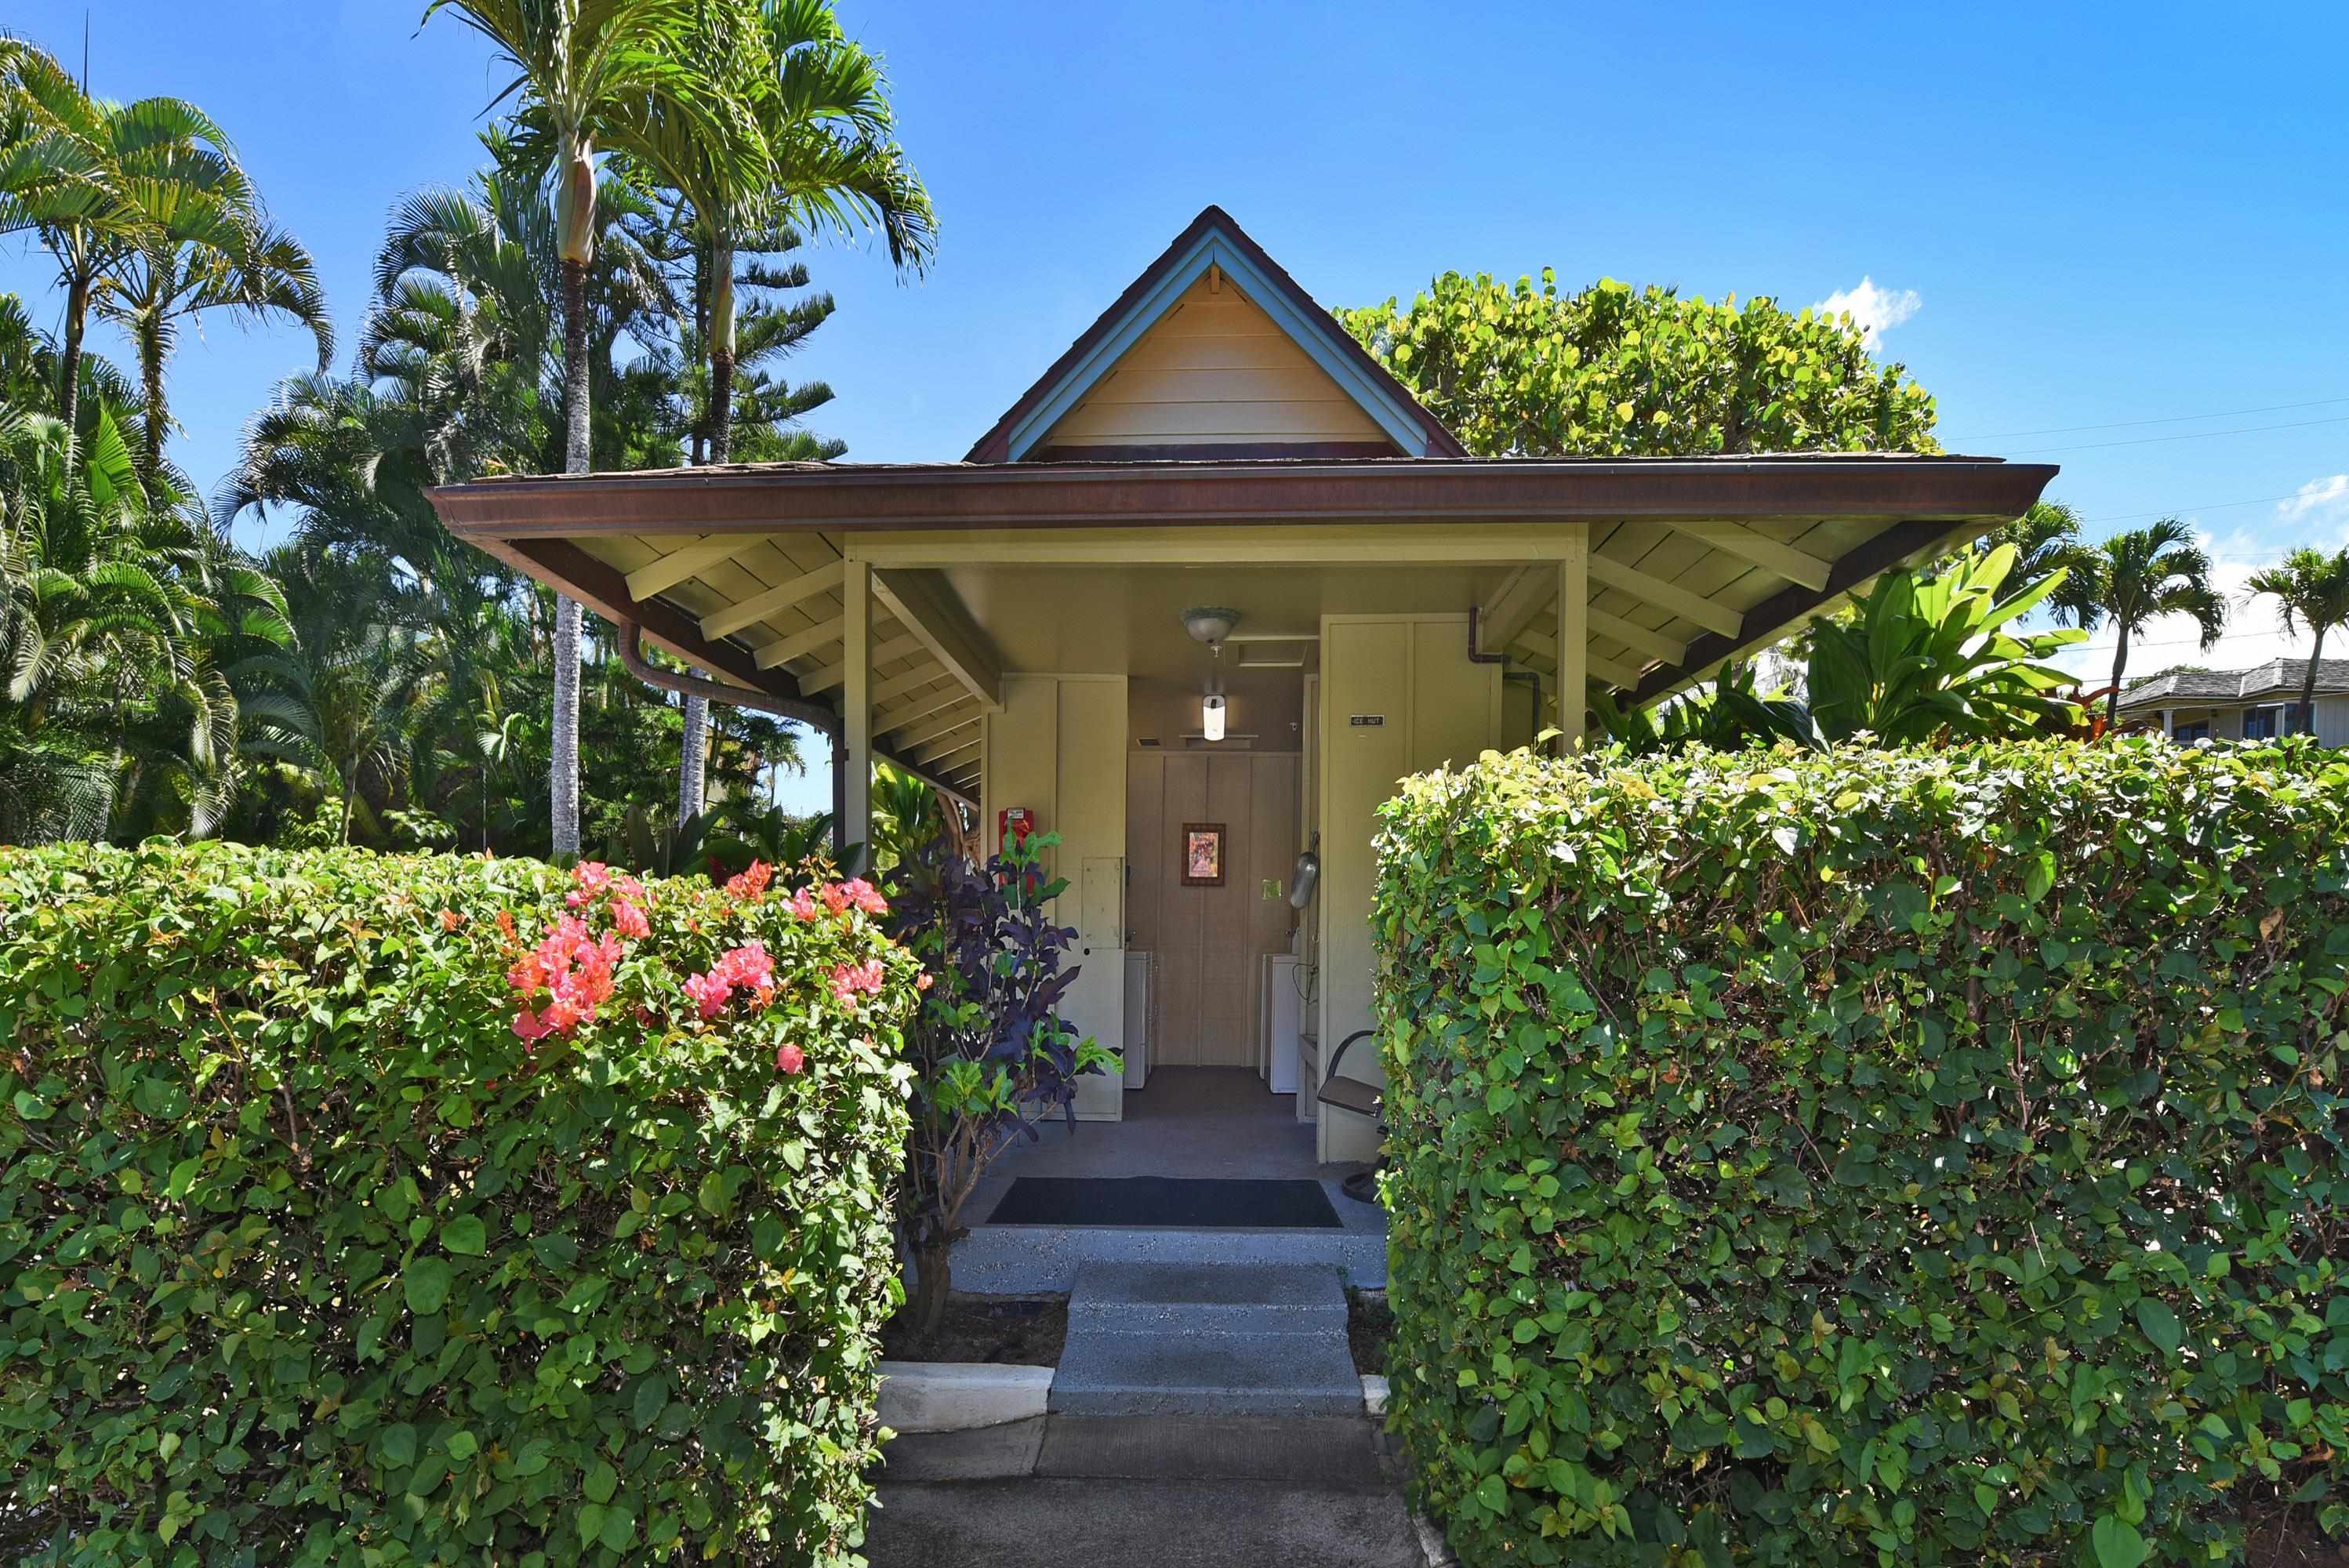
(1189, 1372)
(1238, 1298)
(1038, 1260)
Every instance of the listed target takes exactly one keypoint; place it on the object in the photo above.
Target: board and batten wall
(1059, 748)
(1206, 992)
(1398, 695)
(1215, 367)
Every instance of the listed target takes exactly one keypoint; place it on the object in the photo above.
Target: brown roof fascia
(1067, 495)
(995, 447)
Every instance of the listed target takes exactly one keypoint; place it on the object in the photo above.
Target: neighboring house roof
(2276, 678)
(1213, 240)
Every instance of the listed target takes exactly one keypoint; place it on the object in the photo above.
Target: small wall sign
(1367, 720)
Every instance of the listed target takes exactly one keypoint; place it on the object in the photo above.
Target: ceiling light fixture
(1211, 625)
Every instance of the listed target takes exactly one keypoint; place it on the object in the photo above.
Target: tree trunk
(933, 1277)
(69, 362)
(692, 779)
(2308, 687)
(568, 613)
(692, 770)
(722, 401)
(2120, 664)
(156, 410)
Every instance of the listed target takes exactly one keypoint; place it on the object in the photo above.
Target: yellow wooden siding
(1215, 369)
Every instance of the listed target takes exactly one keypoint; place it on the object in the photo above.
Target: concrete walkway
(1140, 1491)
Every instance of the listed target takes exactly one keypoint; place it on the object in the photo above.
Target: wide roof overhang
(727, 566)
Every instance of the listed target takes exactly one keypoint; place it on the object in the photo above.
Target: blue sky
(2066, 216)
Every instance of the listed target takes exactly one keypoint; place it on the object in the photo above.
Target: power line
(2167, 420)
(2189, 436)
(2182, 510)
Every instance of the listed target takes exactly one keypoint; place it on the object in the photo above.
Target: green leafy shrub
(1870, 1157)
(359, 1210)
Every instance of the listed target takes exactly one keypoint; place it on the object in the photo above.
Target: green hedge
(1872, 1157)
(308, 1255)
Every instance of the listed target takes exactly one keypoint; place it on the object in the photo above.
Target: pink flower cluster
(849, 979)
(838, 898)
(854, 893)
(752, 883)
(573, 968)
(593, 880)
(747, 966)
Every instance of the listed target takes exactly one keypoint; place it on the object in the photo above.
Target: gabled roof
(2276, 678)
(1213, 240)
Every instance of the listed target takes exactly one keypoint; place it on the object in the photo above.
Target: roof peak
(1215, 239)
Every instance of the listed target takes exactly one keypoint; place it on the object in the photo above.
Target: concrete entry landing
(1191, 1122)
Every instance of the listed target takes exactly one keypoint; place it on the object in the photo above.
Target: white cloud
(1873, 310)
(2318, 502)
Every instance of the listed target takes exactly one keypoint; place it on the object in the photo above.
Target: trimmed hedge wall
(375, 1209)
(1873, 1156)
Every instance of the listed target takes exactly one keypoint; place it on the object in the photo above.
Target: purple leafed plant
(992, 1058)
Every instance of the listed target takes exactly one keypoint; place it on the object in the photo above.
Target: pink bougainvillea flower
(450, 920)
(922, 981)
(590, 880)
(708, 992)
(790, 1058)
(803, 904)
(849, 979)
(748, 966)
(629, 920)
(854, 893)
(752, 883)
(527, 1026)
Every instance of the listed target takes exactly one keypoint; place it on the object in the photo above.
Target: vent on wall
(1146, 740)
(1232, 741)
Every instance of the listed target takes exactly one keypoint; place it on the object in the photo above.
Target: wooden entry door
(1208, 940)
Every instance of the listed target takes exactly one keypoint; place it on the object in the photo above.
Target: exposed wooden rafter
(691, 560)
(783, 596)
(926, 607)
(887, 653)
(1782, 560)
(799, 645)
(1666, 596)
(1638, 638)
(1521, 597)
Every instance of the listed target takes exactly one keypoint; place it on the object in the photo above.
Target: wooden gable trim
(1213, 239)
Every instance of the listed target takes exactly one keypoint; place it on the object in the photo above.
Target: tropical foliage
(1523, 370)
(361, 1208)
(1884, 1156)
(2312, 591)
(991, 1056)
(371, 680)
(2140, 574)
(1922, 658)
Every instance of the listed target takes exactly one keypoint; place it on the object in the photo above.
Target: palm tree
(821, 105)
(102, 182)
(251, 271)
(616, 75)
(2143, 573)
(2046, 540)
(2311, 589)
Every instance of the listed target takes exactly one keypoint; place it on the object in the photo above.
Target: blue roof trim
(1214, 248)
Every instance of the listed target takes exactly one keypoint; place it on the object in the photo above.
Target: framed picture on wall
(1203, 854)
